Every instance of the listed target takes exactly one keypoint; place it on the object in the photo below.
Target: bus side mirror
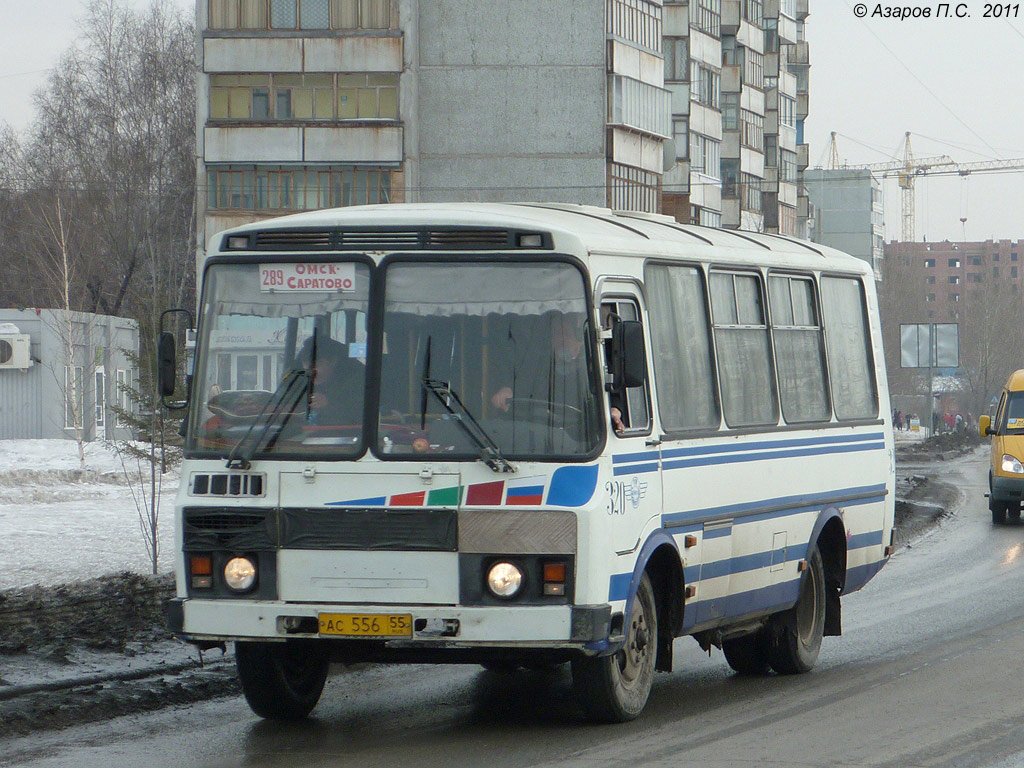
(985, 426)
(166, 364)
(630, 356)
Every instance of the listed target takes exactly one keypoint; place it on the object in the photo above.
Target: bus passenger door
(634, 490)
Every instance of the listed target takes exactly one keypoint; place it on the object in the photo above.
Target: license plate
(366, 624)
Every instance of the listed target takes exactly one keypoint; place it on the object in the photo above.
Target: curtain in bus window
(799, 357)
(681, 348)
(744, 362)
(849, 357)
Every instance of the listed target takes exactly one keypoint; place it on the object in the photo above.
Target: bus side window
(636, 414)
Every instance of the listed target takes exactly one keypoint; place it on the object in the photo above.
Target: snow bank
(60, 524)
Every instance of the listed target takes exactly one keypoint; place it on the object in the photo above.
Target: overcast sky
(954, 83)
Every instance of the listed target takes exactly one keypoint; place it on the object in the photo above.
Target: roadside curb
(14, 691)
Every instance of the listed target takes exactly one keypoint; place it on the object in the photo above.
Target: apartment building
(738, 73)
(308, 104)
(848, 212)
(948, 273)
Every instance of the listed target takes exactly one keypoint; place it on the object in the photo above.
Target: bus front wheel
(998, 509)
(796, 634)
(281, 681)
(614, 689)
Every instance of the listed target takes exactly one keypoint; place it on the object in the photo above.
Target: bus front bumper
(561, 626)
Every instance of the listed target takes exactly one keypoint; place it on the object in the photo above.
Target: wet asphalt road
(929, 672)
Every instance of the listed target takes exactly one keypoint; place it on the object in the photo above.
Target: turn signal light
(201, 568)
(554, 578)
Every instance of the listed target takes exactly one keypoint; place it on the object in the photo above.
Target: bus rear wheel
(749, 655)
(281, 681)
(614, 689)
(796, 634)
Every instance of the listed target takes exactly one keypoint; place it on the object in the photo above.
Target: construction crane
(909, 168)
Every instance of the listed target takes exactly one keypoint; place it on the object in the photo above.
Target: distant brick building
(944, 273)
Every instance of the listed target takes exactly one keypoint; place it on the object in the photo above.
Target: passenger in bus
(338, 382)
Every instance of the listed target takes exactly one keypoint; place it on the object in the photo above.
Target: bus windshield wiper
(291, 389)
(490, 454)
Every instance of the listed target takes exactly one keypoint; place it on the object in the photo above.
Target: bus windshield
(487, 360)
(482, 354)
(281, 366)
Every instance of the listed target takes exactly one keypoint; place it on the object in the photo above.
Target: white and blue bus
(526, 434)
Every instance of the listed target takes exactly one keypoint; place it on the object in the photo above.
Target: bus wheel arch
(666, 575)
(830, 537)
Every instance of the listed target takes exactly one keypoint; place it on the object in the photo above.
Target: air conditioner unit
(14, 351)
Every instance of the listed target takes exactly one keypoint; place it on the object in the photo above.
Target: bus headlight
(240, 573)
(504, 579)
(1012, 464)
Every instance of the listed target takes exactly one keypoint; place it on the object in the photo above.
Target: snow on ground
(58, 524)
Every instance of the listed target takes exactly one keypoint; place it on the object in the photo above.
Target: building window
(632, 189)
(730, 111)
(281, 188)
(929, 262)
(705, 85)
(752, 11)
(930, 279)
(1013, 255)
(954, 297)
(705, 155)
(322, 96)
(680, 132)
(707, 16)
(771, 150)
(995, 271)
(787, 166)
(752, 131)
(100, 398)
(954, 280)
(930, 297)
(637, 21)
(954, 263)
(300, 14)
(1013, 271)
(753, 68)
(787, 111)
(677, 59)
(122, 397)
(975, 260)
(974, 277)
(750, 192)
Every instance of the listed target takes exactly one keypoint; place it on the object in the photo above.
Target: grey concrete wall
(535, 76)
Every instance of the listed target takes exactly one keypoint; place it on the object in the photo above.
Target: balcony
(801, 106)
(802, 156)
(799, 54)
(802, 11)
(640, 106)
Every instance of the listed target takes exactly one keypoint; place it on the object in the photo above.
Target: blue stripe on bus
(644, 456)
(618, 586)
(767, 444)
(860, 575)
(717, 533)
(525, 490)
(776, 597)
(862, 540)
(791, 504)
(635, 469)
(642, 463)
(704, 461)
(376, 501)
(619, 583)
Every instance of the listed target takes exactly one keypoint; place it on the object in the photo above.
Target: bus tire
(796, 634)
(1013, 511)
(281, 681)
(749, 655)
(615, 688)
(998, 511)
